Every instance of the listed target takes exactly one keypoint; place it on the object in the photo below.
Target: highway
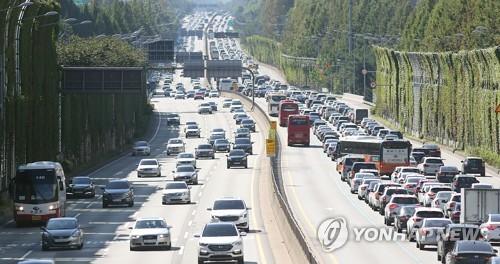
(106, 230)
(315, 193)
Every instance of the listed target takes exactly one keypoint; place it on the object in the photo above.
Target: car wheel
(104, 205)
(439, 257)
(213, 157)
(80, 246)
(200, 261)
(228, 166)
(159, 174)
(131, 204)
(189, 201)
(92, 195)
(45, 247)
(131, 248)
(163, 203)
(246, 166)
(240, 260)
(421, 246)
(169, 247)
(195, 182)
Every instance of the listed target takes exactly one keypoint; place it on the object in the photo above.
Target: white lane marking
(186, 235)
(26, 254)
(200, 193)
(190, 222)
(77, 215)
(194, 212)
(8, 222)
(181, 250)
(88, 206)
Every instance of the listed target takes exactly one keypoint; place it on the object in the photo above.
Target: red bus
(287, 108)
(298, 130)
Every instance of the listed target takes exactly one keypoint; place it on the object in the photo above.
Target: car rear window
(350, 161)
(477, 246)
(396, 191)
(405, 200)
(430, 214)
(495, 218)
(360, 166)
(439, 189)
(437, 223)
(467, 180)
(216, 230)
(434, 161)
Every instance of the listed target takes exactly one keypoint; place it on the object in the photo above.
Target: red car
(199, 95)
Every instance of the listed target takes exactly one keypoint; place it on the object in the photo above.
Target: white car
(213, 94)
(192, 131)
(176, 192)
(415, 221)
(442, 199)
(149, 167)
(430, 165)
(150, 232)
(220, 242)
(431, 193)
(233, 108)
(226, 103)
(141, 148)
(175, 146)
(232, 210)
(185, 158)
(491, 228)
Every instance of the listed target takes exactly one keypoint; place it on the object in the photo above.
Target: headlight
(134, 237)
(51, 207)
(244, 158)
(237, 243)
(75, 234)
(20, 208)
(163, 236)
(244, 215)
(203, 245)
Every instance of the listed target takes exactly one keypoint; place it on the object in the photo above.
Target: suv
(345, 164)
(173, 119)
(374, 197)
(175, 146)
(220, 242)
(431, 150)
(118, 192)
(473, 165)
(232, 210)
(445, 174)
(356, 166)
(430, 165)
(463, 181)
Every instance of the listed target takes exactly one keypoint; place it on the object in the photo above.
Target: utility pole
(350, 45)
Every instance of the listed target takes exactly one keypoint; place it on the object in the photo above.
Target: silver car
(63, 232)
(150, 232)
(141, 148)
(186, 173)
(176, 192)
(430, 231)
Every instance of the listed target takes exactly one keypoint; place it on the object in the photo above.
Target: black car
(214, 136)
(118, 192)
(471, 251)
(432, 150)
(473, 165)
(62, 232)
(418, 156)
(402, 216)
(243, 143)
(248, 123)
(81, 186)
(463, 181)
(454, 233)
(173, 119)
(213, 105)
(204, 150)
(237, 157)
(222, 145)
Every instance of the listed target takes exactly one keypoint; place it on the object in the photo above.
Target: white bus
(39, 192)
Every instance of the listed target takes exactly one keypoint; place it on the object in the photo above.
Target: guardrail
(280, 193)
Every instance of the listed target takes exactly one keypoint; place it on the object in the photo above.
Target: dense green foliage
(29, 121)
(106, 51)
(445, 97)
(117, 16)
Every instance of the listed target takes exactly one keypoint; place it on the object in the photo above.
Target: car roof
(63, 218)
(149, 160)
(430, 209)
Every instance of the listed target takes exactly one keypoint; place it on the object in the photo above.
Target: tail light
(424, 231)
(363, 188)
(426, 165)
(392, 206)
(452, 204)
(403, 218)
(431, 194)
(417, 219)
(491, 227)
(384, 199)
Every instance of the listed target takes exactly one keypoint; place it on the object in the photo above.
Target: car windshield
(440, 189)
(247, 121)
(494, 217)
(58, 224)
(434, 161)
(149, 162)
(430, 214)
(117, 185)
(143, 224)
(407, 210)
(467, 180)
(237, 152)
(437, 223)
(81, 180)
(216, 136)
(221, 141)
(242, 130)
(176, 185)
(192, 127)
(219, 230)
(478, 246)
(175, 141)
(204, 146)
(185, 169)
(141, 144)
(217, 130)
(392, 191)
(242, 141)
(228, 204)
(185, 156)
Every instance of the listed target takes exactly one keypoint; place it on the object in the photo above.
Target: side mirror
(209, 209)
(173, 171)
(196, 235)
(130, 227)
(169, 226)
(243, 233)
(43, 228)
(61, 186)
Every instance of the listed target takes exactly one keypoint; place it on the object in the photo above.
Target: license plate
(149, 241)
(236, 162)
(117, 200)
(36, 218)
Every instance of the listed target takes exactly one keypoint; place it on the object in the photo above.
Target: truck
(477, 204)
(359, 114)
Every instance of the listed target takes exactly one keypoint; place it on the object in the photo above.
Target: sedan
(148, 167)
(243, 143)
(180, 95)
(471, 251)
(141, 148)
(62, 232)
(204, 109)
(429, 232)
(176, 192)
(175, 146)
(222, 145)
(81, 186)
(397, 201)
(237, 157)
(192, 131)
(213, 105)
(248, 123)
(186, 173)
(185, 158)
(204, 150)
(491, 228)
(401, 217)
(150, 232)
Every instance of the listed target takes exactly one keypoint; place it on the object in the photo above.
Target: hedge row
(446, 97)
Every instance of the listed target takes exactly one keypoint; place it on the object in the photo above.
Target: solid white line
(181, 250)
(190, 222)
(200, 193)
(186, 235)
(27, 253)
(77, 215)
